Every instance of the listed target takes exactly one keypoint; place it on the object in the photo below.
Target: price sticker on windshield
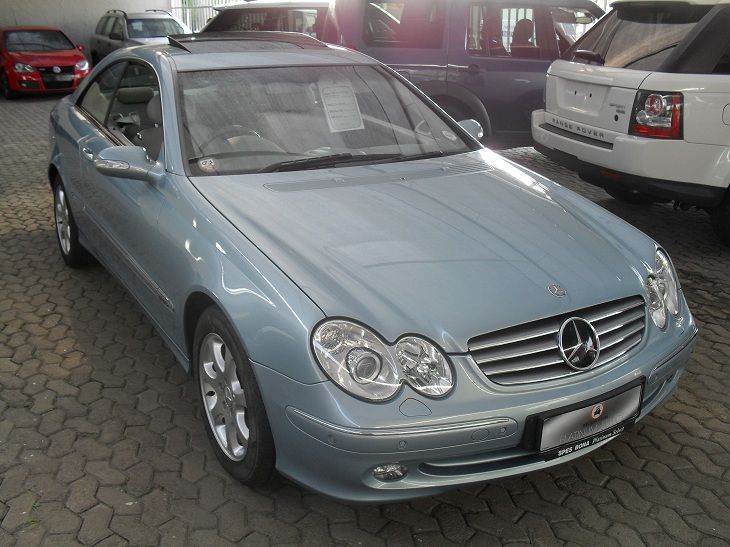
(340, 106)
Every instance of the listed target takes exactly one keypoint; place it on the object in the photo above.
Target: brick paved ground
(99, 442)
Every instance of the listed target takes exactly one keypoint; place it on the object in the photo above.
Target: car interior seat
(152, 138)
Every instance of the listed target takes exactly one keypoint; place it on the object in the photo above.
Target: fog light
(390, 472)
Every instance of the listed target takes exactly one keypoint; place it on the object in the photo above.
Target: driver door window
(97, 97)
(135, 115)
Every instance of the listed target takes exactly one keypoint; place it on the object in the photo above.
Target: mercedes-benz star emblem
(56, 70)
(597, 411)
(557, 290)
(578, 343)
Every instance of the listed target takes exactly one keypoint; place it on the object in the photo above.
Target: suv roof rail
(160, 11)
(294, 38)
(124, 13)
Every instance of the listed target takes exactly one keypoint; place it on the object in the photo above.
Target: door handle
(473, 69)
(88, 153)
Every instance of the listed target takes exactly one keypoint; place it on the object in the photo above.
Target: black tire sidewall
(77, 256)
(257, 465)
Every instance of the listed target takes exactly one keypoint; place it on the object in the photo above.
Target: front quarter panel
(203, 253)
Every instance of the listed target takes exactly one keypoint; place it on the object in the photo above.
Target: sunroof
(229, 42)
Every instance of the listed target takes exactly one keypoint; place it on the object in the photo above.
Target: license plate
(575, 429)
(59, 77)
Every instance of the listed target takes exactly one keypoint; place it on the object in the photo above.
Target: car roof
(687, 2)
(247, 49)
(29, 28)
(303, 4)
(150, 15)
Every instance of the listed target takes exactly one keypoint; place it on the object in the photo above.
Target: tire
(67, 233)
(720, 218)
(628, 196)
(5, 87)
(233, 410)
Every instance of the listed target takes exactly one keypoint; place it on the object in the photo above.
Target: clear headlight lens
(82, 65)
(663, 290)
(424, 366)
(22, 67)
(357, 360)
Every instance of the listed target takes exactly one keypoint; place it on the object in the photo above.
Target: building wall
(77, 18)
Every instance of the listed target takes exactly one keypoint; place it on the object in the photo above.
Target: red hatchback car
(37, 60)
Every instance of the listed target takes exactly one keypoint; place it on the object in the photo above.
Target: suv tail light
(657, 115)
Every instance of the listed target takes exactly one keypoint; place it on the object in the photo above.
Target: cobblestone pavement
(100, 443)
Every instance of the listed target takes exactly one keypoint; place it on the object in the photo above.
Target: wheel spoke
(234, 444)
(241, 425)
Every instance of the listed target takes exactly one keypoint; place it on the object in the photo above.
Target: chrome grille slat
(618, 322)
(510, 338)
(533, 362)
(529, 353)
(498, 353)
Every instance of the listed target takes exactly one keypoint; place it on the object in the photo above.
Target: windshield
(640, 37)
(306, 117)
(153, 28)
(313, 21)
(37, 40)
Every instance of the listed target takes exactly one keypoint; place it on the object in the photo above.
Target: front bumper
(33, 82)
(335, 455)
(658, 168)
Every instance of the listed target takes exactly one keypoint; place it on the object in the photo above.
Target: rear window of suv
(639, 37)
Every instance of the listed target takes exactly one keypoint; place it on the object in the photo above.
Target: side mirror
(126, 162)
(473, 127)
(116, 36)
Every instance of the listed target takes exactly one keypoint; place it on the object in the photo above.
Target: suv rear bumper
(627, 161)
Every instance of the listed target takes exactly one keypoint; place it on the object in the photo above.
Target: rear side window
(313, 21)
(100, 25)
(408, 23)
(508, 32)
(639, 37)
(723, 67)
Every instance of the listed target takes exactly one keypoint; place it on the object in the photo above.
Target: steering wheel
(218, 141)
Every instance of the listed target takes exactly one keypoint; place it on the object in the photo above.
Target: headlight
(424, 366)
(663, 290)
(82, 65)
(22, 67)
(357, 360)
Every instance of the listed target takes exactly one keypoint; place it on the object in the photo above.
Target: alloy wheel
(223, 397)
(63, 226)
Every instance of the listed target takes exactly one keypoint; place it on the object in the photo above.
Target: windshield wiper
(423, 156)
(324, 161)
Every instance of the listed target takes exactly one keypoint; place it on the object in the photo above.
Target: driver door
(123, 211)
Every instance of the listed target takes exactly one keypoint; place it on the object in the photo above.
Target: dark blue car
(484, 60)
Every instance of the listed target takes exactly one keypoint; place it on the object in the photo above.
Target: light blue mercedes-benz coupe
(369, 301)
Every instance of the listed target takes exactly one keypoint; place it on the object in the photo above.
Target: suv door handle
(88, 153)
(473, 69)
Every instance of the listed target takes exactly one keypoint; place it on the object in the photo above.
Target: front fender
(209, 256)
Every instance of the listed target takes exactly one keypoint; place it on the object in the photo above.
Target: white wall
(77, 18)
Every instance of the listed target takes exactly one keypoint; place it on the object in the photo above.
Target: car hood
(448, 248)
(47, 58)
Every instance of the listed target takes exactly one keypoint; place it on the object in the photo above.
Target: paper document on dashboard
(340, 106)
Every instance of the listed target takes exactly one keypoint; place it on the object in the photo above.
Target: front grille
(529, 353)
(49, 70)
